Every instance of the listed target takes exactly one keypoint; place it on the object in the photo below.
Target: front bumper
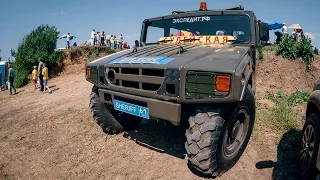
(158, 109)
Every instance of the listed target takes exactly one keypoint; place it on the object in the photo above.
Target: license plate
(131, 109)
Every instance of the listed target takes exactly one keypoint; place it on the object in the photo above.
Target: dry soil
(53, 136)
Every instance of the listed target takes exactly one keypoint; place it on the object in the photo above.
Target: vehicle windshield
(210, 29)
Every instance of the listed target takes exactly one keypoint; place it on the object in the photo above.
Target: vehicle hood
(189, 56)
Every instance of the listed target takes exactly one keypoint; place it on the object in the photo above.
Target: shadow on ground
(18, 92)
(159, 137)
(163, 138)
(287, 157)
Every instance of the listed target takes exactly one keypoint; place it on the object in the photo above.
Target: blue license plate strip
(131, 109)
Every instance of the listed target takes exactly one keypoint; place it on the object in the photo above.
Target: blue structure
(274, 25)
(3, 72)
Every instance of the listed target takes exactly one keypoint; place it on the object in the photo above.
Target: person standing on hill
(316, 51)
(11, 80)
(45, 74)
(108, 37)
(102, 38)
(97, 39)
(93, 35)
(112, 42)
(68, 40)
(284, 29)
(40, 66)
(116, 42)
(35, 76)
(121, 42)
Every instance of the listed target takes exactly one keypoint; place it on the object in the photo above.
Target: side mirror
(136, 43)
(263, 31)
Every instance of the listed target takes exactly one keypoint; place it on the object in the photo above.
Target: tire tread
(202, 137)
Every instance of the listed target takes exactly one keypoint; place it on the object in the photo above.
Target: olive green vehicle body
(171, 91)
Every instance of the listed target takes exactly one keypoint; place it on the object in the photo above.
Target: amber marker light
(88, 72)
(203, 6)
(223, 83)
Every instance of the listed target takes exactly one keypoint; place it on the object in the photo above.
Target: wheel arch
(313, 105)
(312, 108)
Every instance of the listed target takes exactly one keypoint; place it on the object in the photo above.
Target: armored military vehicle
(190, 66)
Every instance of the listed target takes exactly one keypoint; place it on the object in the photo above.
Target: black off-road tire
(110, 120)
(310, 171)
(206, 135)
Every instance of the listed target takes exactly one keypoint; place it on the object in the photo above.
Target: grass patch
(280, 117)
(282, 113)
(270, 47)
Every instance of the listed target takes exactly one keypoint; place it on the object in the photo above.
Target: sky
(79, 17)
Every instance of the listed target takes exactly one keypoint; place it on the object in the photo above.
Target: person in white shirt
(97, 38)
(93, 35)
(108, 38)
(121, 41)
(68, 40)
(284, 29)
(116, 42)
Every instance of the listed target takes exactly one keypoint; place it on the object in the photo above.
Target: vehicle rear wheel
(308, 147)
(110, 120)
(213, 144)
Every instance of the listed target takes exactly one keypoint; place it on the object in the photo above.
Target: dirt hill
(53, 136)
(278, 74)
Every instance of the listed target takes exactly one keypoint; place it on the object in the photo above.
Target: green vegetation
(279, 114)
(87, 52)
(40, 43)
(261, 57)
(282, 115)
(270, 47)
(289, 49)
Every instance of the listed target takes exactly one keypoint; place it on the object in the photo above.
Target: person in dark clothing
(102, 38)
(316, 51)
(40, 66)
(11, 80)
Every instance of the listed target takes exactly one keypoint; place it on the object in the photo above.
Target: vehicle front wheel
(110, 120)
(213, 144)
(308, 147)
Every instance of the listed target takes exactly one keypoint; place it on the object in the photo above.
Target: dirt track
(52, 136)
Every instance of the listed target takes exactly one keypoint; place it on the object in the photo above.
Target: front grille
(202, 85)
(138, 78)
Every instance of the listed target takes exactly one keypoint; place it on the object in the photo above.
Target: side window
(154, 34)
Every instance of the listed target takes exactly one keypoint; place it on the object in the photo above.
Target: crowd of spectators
(101, 39)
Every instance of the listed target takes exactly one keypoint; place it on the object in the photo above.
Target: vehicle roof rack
(178, 12)
(240, 7)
